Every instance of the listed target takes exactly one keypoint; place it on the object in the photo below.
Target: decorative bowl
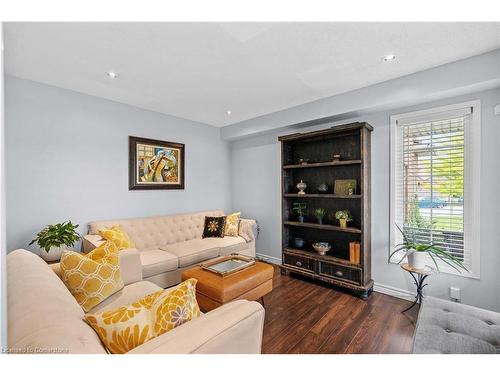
(321, 247)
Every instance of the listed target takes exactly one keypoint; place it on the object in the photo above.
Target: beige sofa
(43, 316)
(170, 244)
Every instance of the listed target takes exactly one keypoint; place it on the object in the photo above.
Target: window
(435, 170)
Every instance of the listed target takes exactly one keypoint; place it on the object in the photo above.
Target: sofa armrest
(130, 266)
(232, 328)
(56, 267)
(91, 241)
(248, 229)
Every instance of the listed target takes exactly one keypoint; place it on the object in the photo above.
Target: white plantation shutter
(432, 192)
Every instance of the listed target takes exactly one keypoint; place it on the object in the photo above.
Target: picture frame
(156, 164)
(341, 187)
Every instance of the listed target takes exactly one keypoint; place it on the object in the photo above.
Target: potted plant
(417, 253)
(300, 208)
(343, 216)
(53, 239)
(320, 213)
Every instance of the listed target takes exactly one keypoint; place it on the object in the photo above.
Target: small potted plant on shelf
(320, 213)
(300, 209)
(53, 239)
(417, 253)
(343, 216)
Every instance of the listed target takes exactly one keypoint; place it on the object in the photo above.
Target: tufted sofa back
(152, 232)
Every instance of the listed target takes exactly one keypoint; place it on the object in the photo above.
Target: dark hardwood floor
(303, 316)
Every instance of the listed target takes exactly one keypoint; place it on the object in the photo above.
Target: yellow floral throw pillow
(232, 224)
(118, 236)
(92, 277)
(129, 326)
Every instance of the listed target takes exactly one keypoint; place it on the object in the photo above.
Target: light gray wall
(256, 191)
(67, 158)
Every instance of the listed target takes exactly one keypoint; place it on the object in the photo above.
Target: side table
(419, 275)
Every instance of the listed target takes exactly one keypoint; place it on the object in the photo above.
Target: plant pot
(343, 223)
(417, 259)
(54, 253)
(298, 242)
(301, 219)
(320, 221)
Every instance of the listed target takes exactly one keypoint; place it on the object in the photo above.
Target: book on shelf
(354, 252)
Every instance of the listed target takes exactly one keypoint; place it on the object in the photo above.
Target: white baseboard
(395, 292)
(268, 258)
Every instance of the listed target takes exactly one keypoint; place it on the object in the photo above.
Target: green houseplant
(55, 238)
(343, 216)
(300, 209)
(417, 253)
(320, 213)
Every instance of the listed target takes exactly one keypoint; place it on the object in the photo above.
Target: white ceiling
(199, 70)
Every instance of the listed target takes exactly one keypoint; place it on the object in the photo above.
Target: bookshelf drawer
(340, 272)
(304, 263)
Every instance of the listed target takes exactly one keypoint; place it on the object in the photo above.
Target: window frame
(472, 182)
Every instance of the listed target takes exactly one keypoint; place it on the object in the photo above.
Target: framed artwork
(344, 187)
(155, 164)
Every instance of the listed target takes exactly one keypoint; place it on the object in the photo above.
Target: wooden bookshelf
(352, 142)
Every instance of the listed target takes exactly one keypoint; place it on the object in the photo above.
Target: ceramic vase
(301, 186)
(298, 242)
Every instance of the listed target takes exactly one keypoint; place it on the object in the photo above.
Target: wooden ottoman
(213, 290)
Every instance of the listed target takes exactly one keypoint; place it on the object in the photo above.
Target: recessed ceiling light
(112, 74)
(228, 113)
(389, 57)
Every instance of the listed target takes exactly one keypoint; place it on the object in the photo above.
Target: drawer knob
(298, 263)
(339, 274)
